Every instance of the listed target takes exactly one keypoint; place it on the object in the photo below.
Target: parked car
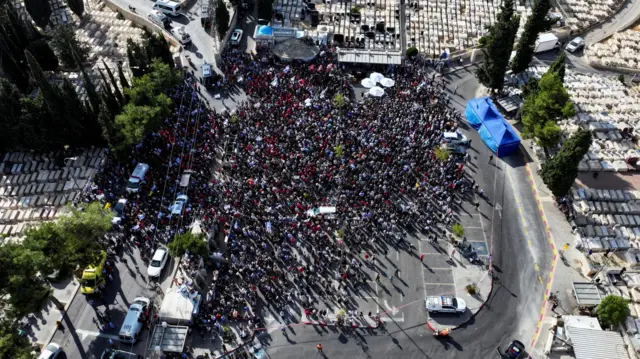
(182, 35)
(575, 44)
(445, 304)
(119, 211)
(179, 204)
(455, 138)
(236, 37)
(51, 351)
(158, 261)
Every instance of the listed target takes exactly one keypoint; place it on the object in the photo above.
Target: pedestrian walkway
(563, 273)
(41, 327)
(354, 320)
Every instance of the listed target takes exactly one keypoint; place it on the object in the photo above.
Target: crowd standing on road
(294, 150)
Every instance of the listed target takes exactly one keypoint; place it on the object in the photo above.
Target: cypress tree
(49, 92)
(108, 96)
(90, 88)
(44, 54)
(497, 46)
(74, 112)
(536, 23)
(39, 10)
(114, 83)
(123, 79)
(558, 66)
(77, 6)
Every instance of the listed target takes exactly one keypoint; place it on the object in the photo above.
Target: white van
(182, 35)
(158, 18)
(134, 321)
(137, 177)
(168, 7)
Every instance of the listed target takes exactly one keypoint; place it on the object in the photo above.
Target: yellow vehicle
(92, 277)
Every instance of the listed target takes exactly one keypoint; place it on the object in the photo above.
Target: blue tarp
(493, 129)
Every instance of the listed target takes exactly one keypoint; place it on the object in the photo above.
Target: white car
(158, 261)
(444, 304)
(182, 35)
(236, 37)
(50, 352)
(455, 138)
(575, 44)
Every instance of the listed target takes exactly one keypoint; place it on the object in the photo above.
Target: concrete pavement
(42, 326)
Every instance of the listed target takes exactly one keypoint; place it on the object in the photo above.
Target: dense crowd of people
(311, 182)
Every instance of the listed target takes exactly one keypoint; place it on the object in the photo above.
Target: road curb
(62, 314)
(553, 250)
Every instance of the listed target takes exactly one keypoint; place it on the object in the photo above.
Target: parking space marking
(450, 283)
(421, 265)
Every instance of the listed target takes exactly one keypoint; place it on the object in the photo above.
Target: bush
(411, 52)
(472, 289)
(457, 230)
(441, 154)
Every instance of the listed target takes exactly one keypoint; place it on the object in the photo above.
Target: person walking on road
(397, 272)
(421, 257)
(377, 277)
(319, 347)
(490, 158)
(390, 279)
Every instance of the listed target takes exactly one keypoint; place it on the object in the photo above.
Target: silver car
(575, 44)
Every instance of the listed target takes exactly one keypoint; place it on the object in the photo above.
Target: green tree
(12, 344)
(558, 66)
(49, 92)
(441, 154)
(74, 115)
(138, 59)
(114, 83)
(108, 96)
(137, 121)
(560, 171)
(411, 52)
(265, 9)
(86, 227)
(10, 113)
(222, 18)
(549, 134)
(77, 6)
(55, 245)
(38, 118)
(123, 79)
(70, 50)
(549, 103)
(23, 289)
(536, 23)
(339, 100)
(157, 47)
(44, 54)
(612, 310)
(39, 10)
(194, 244)
(339, 151)
(457, 230)
(497, 46)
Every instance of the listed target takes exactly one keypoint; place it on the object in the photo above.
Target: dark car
(515, 350)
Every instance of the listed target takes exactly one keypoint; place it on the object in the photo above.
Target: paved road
(624, 18)
(82, 337)
(518, 243)
(203, 47)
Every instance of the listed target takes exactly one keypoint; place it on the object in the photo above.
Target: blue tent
(494, 130)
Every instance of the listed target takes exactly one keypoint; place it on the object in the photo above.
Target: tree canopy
(188, 242)
(265, 9)
(612, 310)
(222, 18)
(544, 107)
(40, 11)
(497, 46)
(560, 171)
(70, 50)
(148, 105)
(12, 344)
(537, 22)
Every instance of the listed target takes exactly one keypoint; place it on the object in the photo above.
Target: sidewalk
(563, 274)
(42, 326)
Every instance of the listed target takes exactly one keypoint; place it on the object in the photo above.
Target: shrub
(411, 52)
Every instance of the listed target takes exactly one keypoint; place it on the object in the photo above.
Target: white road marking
(88, 333)
(424, 280)
(394, 319)
(398, 255)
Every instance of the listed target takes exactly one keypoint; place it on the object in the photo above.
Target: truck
(545, 42)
